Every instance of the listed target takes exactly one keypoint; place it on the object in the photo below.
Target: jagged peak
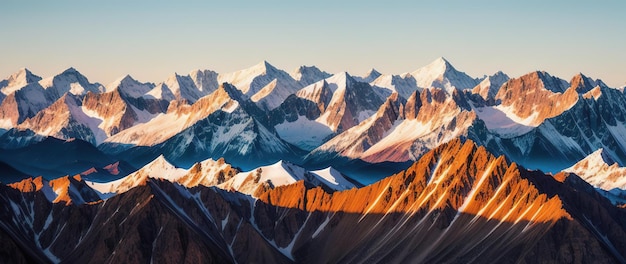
(127, 78)
(600, 155)
(29, 184)
(130, 86)
(24, 74)
(124, 80)
(372, 74)
(263, 67)
(198, 72)
(372, 71)
(231, 90)
(442, 60)
(439, 65)
(313, 71)
(340, 77)
(160, 163)
(600, 170)
(499, 74)
(71, 75)
(550, 82)
(440, 73)
(70, 70)
(173, 78)
(304, 68)
(584, 84)
(17, 80)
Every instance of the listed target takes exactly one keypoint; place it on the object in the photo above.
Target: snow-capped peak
(183, 87)
(128, 85)
(600, 170)
(438, 66)
(584, 84)
(306, 75)
(281, 173)
(266, 85)
(159, 168)
(263, 67)
(70, 70)
(369, 76)
(206, 81)
(441, 74)
(18, 80)
(72, 81)
(24, 75)
(333, 178)
(488, 87)
(341, 79)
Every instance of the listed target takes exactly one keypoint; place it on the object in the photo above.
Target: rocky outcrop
(536, 96)
(67, 190)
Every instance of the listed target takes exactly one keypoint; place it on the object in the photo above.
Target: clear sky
(150, 40)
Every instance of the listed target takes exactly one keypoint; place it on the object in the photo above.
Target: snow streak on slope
(454, 192)
(502, 122)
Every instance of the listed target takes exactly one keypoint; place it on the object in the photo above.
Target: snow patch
(304, 133)
(501, 123)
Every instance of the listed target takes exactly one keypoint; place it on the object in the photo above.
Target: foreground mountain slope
(457, 204)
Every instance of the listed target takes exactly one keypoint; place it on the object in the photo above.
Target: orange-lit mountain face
(458, 203)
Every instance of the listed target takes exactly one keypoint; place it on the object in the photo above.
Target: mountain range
(262, 165)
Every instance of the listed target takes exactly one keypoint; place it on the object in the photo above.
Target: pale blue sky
(152, 39)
